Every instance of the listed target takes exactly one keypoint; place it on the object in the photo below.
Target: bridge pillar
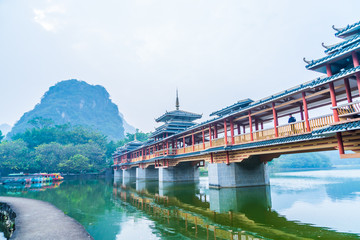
(182, 172)
(118, 173)
(250, 172)
(147, 173)
(129, 173)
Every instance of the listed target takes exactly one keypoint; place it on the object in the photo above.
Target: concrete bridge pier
(129, 173)
(150, 173)
(118, 173)
(250, 172)
(184, 171)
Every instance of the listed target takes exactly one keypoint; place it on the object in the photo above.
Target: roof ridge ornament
(177, 105)
(337, 29)
(306, 61)
(323, 44)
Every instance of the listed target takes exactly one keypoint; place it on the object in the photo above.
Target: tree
(1, 136)
(40, 122)
(76, 164)
(14, 156)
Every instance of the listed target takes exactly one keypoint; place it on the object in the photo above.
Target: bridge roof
(348, 30)
(349, 126)
(343, 44)
(343, 51)
(236, 106)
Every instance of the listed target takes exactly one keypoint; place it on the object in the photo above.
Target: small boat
(21, 178)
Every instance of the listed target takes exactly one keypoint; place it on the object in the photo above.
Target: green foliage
(14, 156)
(302, 160)
(76, 164)
(52, 148)
(1, 136)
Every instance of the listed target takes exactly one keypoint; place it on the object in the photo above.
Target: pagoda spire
(177, 105)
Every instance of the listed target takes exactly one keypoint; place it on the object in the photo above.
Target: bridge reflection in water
(228, 213)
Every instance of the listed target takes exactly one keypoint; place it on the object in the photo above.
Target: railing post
(250, 126)
(275, 120)
(225, 132)
(306, 112)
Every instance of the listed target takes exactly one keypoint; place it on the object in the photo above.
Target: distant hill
(5, 128)
(78, 103)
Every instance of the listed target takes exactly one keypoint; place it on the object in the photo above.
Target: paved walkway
(40, 220)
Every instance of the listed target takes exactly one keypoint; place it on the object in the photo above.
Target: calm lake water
(298, 205)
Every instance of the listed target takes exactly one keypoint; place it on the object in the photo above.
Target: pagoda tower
(174, 122)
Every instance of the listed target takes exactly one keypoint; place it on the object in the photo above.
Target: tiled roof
(320, 81)
(342, 44)
(235, 106)
(337, 128)
(347, 29)
(178, 113)
(332, 56)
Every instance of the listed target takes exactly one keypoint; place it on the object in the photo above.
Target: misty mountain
(78, 103)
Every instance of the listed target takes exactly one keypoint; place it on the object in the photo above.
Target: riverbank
(40, 220)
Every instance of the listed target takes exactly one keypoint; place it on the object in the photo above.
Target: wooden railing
(264, 134)
(320, 122)
(292, 129)
(218, 142)
(348, 109)
(283, 131)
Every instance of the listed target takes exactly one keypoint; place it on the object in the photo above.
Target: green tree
(1, 136)
(76, 164)
(14, 156)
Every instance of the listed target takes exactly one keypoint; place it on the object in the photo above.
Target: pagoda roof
(178, 114)
(341, 45)
(348, 30)
(236, 106)
(318, 62)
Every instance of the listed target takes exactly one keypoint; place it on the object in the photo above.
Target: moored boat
(21, 178)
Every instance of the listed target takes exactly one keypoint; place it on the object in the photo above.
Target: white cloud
(49, 18)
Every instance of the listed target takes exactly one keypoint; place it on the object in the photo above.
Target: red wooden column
(306, 113)
(348, 90)
(203, 138)
(275, 120)
(332, 94)
(167, 147)
(210, 137)
(227, 158)
(244, 129)
(250, 126)
(211, 158)
(184, 143)
(225, 132)
(215, 131)
(334, 104)
(232, 131)
(356, 64)
(193, 142)
(238, 129)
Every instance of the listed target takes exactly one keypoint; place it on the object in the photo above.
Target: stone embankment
(40, 220)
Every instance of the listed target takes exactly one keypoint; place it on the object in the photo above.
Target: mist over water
(309, 204)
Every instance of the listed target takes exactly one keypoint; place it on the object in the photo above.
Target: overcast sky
(214, 52)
